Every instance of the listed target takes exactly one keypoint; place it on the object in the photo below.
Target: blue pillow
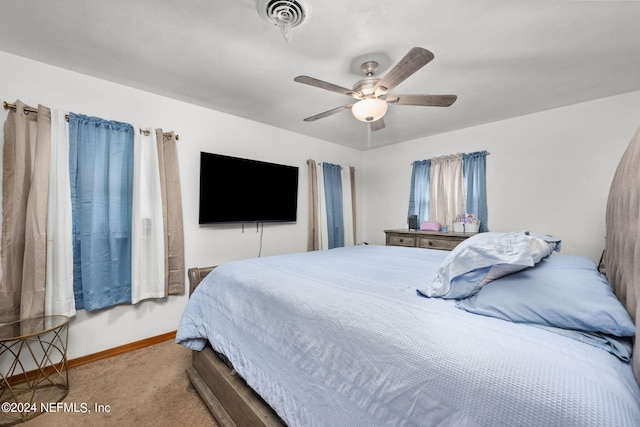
(485, 257)
(562, 291)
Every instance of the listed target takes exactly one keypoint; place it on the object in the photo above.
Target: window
(444, 187)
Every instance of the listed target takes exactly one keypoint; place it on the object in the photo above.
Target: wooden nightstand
(425, 239)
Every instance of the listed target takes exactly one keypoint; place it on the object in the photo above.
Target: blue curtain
(475, 181)
(101, 173)
(419, 197)
(333, 200)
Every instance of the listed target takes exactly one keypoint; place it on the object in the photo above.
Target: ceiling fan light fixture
(369, 109)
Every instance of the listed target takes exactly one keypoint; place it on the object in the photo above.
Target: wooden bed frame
(229, 399)
(233, 403)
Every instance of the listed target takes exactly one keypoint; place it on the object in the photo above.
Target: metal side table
(33, 367)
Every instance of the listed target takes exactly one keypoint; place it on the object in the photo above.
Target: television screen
(242, 190)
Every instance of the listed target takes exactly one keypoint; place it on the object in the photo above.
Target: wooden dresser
(425, 239)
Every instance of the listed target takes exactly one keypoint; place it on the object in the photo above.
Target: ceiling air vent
(285, 14)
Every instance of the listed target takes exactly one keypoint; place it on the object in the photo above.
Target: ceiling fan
(372, 94)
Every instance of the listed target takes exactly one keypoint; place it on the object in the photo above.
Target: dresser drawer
(401, 240)
(444, 243)
(425, 239)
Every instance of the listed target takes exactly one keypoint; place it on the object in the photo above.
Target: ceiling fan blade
(417, 58)
(328, 113)
(377, 125)
(425, 100)
(323, 85)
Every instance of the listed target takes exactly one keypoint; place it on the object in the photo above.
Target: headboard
(622, 247)
(196, 275)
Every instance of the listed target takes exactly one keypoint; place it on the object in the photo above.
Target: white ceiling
(502, 58)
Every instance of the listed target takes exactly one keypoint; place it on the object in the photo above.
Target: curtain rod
(12, 107)
(449, 155)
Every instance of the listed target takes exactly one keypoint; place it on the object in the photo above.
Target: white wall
(200, 129)
(548, 172)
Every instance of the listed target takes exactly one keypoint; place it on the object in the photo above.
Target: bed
(374, 335)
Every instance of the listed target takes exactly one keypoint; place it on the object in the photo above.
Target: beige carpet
(147, 387)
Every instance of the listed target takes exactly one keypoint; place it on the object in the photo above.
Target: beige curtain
(171, 212)
(446, 193)
(313, 235)
(25, 188)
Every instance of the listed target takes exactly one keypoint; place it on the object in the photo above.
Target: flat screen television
(234, 189)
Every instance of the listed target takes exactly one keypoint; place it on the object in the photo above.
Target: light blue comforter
(340, 338)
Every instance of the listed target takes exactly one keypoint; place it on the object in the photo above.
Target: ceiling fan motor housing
(366, 85)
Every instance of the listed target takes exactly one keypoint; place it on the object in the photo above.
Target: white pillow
(486, 257)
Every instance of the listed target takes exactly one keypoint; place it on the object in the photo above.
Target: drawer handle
(401, 240)
(430, 243)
